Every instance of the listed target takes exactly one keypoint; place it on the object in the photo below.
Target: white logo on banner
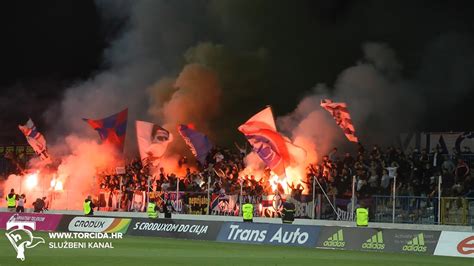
(21, 237)
(90, 224)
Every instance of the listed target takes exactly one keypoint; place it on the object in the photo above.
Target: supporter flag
(275, 150)
(111, 129)
(152, 141)
(340, 113)
(197, 142)
(35, 139)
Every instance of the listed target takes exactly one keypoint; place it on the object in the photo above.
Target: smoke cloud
(382, 102)
(215, 63)
(193, 98)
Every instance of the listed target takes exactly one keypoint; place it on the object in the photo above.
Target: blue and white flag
(197, 142)
(35, 139)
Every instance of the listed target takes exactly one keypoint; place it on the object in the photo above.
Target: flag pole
(208, 194)
(353, 197)
(148, 191)
(241, 197)
(314, 193)
(177, 193)
(394, 197)
(440, 181)
(326, 196)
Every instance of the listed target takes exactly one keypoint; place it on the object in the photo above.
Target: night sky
(46, 46)
(49, 46)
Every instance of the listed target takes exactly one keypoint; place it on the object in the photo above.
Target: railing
(408, 209)
(393, 208)
(415, 210)
(457, 211)
(424, 210)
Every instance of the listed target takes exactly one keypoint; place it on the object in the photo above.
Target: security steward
(247, 211)
(362, 216)
(288, 214)
(11, 200)
(89, 206)
(152, 210)
(168, 208)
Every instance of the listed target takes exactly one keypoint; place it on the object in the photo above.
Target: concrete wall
(274, 220)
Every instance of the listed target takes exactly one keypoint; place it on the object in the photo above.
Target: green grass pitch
(138, 251)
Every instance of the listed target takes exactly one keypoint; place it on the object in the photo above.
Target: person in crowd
(21, 203)
(168, 208)
(448, 166)
(385, 183)
(461, 171)
(223, 171)
(39, 205)
(332, 156)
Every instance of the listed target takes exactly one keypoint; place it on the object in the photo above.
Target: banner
(412, 241)
(456, 244)
(272, 205)
(19, 150)
(347, 238)
(371, 239)
(111, 129)
(44, 222)
(92, 224)
(275, 150)
(197, 142)
(35, 139)
(272, 234)
(264, 206)
(159, 196)
(196, 204)
(153, 141)
(200, 230)
(340, 113)
(447, 142)
(226, 205)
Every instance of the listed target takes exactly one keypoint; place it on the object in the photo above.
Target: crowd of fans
(417, 174)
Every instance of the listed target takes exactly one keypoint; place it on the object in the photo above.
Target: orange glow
(31, 180)
(275, 181)
(56, 185)
(291, 180)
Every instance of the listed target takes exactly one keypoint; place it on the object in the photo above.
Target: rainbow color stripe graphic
(119, 225)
